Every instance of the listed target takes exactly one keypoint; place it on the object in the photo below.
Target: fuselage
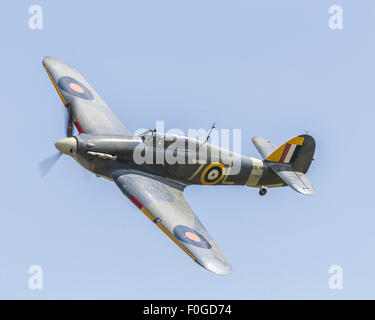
(176, 159)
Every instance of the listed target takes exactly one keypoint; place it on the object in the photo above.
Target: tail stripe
(290, 153)
(287, 151)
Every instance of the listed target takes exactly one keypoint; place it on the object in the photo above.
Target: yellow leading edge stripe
(167, 233)
(54, 84)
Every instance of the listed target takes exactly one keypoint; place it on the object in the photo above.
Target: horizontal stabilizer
(294, 179)
(264, 146)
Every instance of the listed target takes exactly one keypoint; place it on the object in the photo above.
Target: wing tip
(309, 193)
(47, 59)
(50, 61)
(221, 268)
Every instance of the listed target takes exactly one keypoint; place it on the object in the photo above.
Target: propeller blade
(46, 165)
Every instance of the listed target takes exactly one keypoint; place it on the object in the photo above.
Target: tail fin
(298, 152)
(290, 161)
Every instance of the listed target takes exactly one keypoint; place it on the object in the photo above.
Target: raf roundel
(75, 88)
(213, 174)
(190, 236)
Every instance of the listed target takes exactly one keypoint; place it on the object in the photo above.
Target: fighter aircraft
(105, 147)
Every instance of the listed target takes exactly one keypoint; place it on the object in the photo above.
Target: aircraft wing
(294, 179)
(166, 206)
(89, 112)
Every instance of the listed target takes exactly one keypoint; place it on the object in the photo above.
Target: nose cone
(67, 146)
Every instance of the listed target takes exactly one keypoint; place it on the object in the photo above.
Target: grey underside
(169, 205)
(94, 115)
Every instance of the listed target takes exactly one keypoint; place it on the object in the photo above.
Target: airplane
(105, 147)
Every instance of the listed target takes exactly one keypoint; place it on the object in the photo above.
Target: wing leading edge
(168, 209)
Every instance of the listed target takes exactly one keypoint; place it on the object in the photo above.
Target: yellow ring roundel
(213, 173)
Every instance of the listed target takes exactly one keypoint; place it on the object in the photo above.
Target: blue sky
(272, 69)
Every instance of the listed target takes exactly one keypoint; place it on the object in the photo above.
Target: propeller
(47, 164)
